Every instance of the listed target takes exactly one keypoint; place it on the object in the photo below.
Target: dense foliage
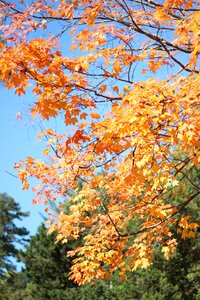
(128, 92)
(45, 274)
(47, 266)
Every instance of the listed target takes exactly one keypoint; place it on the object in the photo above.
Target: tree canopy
(11, 235)
(46, 269)
(128, 92)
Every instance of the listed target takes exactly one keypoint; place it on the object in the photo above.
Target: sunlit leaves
(130, 101)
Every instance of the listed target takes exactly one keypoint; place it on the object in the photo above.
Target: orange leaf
(95, 115)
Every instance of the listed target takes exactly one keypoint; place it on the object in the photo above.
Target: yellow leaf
(45, 151)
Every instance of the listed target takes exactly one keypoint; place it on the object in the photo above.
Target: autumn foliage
(128, 90)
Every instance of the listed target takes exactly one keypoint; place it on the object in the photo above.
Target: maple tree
(129, 94)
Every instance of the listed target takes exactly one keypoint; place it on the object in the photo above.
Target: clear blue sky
(18, 140)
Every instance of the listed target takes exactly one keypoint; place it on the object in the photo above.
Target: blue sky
(18, 140)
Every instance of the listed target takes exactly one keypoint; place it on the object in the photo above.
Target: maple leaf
(95, 115)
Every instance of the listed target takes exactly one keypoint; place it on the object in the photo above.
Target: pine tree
(11, 235)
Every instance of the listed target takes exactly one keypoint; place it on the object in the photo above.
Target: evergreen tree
(13, 286)
(47, 266)
(11, 235)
